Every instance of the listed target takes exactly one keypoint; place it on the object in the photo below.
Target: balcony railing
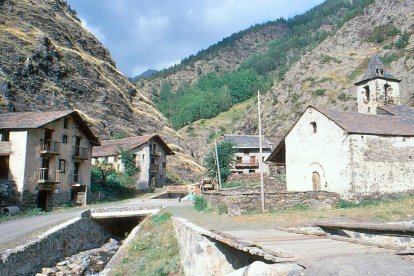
(156, 153)
(81, 153)
(154, 168)
(48, 146)
(45, 177)
(247, 164)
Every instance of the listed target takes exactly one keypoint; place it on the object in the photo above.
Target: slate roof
(28, 120)
(372, 72)
(386, 125)
(247, 141)
(111, 147)
(31, 120)
(5, 148)
(399, 110)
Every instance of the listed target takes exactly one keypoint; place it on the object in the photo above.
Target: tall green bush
(226, 153)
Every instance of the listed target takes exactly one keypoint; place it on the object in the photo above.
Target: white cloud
(96, 31)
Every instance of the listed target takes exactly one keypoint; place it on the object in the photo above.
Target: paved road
(323, 256)
(19, 231)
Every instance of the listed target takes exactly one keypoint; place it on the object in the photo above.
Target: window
(238, 159)
(62, 165)
(64, 139)
(314, 127)
(367, 92)
(163, 165)
(66, 123)
(4, 135)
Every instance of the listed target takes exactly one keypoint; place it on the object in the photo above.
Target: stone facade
(50, 164)
(54, 245)
(240, 200)
(150, 159)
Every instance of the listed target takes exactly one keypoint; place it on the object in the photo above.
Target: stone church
(353, 154)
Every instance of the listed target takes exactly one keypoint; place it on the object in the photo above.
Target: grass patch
(28, 213)
(154, 251)
(347, 204)
(389, 58)
(234, 184)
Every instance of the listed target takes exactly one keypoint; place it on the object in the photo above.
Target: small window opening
(238, 160)
(380, 71)
(314, 127)
(64, 139)
(367, 92)
(386, 89)
(62, 165)
(66, 123)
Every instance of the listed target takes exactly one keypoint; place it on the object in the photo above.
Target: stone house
(150, 154)
(247, 155)
(45, 158)
(353, 154)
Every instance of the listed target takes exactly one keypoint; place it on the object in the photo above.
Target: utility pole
(260, 154)
(218, 164)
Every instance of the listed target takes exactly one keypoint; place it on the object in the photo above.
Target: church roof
(376, 69)
(398, 110)
(385, 125)
(247, 141)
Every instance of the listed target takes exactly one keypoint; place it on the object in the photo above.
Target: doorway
(316, 181)
(43, 200)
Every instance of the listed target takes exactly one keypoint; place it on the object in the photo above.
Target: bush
(320, 92)
(200, 203)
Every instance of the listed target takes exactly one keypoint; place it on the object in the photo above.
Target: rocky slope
(324, 77)
(48, 61)
(226, 58)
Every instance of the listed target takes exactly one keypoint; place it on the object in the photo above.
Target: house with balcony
(247, 155)
(45, 158)
(150, 156)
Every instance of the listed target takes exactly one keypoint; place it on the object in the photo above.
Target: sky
(155, 34)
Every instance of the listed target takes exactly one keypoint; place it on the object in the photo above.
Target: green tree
(128, 161)
(226, 155)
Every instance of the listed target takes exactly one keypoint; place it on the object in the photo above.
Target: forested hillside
(326, 75)
(217, 90)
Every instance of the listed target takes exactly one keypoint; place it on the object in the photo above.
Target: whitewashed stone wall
(381, 164)
(17, 159)
(325, 152)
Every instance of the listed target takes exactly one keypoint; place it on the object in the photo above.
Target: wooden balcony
(46, 178)
(154, 168)
(49, 147)
(247, 164)
(81, 153)
(156, 153)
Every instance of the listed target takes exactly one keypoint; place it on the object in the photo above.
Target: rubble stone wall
(240, 200)
(64, 240)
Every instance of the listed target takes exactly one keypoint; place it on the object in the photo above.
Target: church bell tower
(377, 88)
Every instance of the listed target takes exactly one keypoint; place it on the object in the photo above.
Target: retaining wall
(64, 240)
(240, 200)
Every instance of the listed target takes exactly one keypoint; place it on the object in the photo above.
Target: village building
(248, 151)
(150, 155)
(353, 154)
(45, 158)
